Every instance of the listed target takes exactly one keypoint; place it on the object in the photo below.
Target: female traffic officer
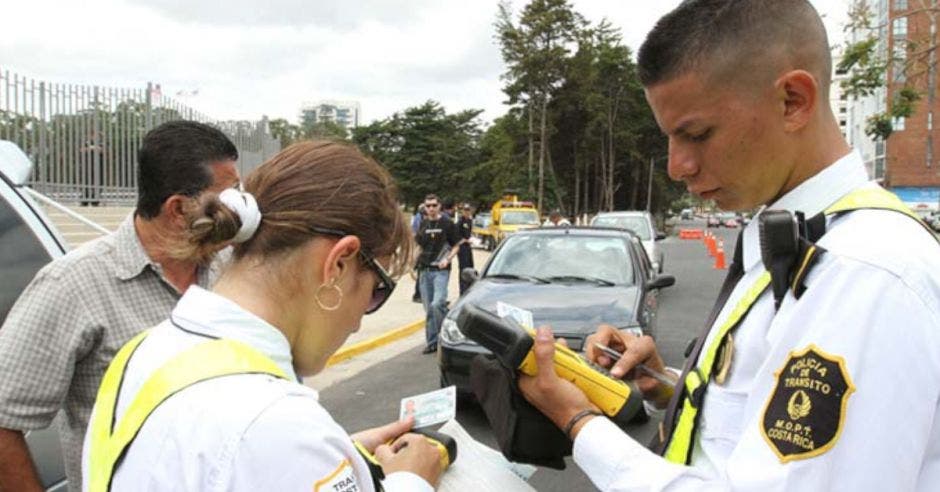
(210, 399)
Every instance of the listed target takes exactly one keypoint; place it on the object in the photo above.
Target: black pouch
(524, 435)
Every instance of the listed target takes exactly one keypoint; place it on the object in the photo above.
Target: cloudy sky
(245, 58)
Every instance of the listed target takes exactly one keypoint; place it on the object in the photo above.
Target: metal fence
(83, 140)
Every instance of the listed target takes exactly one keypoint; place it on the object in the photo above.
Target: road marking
(374, 343)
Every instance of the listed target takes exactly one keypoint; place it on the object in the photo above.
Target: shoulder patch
(804, 415)
(342, 479)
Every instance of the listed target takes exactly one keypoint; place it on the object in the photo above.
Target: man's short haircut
(736, 40)
(432, 196)
(174, 159)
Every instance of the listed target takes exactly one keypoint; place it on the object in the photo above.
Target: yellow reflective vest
(211, 359)
(682, 436)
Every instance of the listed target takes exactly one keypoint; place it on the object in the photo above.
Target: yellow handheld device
(512, 345)
(445, 445)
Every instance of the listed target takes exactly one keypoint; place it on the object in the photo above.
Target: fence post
(148, 118)
(43, 159)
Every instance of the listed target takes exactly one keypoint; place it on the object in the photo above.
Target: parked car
(510, 214)
(28, 241)
(572, 279)
(640, 223)
(481, 233)
(724, 219)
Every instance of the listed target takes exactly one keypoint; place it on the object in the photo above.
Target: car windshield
(520, 217)
(481, 222)
(637, 224)
(565, 258)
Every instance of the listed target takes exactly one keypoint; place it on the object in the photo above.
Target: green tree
(502, 164)
(286, 132)
(911, 64)
(327, 130)
(426, 149)
(535, 51)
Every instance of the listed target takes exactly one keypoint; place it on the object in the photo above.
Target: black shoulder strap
(735, 272)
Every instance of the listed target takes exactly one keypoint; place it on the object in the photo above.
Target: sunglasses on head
(383, 288)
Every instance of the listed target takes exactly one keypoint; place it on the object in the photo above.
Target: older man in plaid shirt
(61, 334)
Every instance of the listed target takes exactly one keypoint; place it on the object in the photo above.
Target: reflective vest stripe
(679, 449)
(680, 445)
(876, 198)
(207, 360)
(801, 272)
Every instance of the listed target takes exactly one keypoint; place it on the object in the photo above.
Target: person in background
(449, 211)
(91, 155)
(80, 309)
(555, 219)
(465, 253)
(438, 239)
(416, 219)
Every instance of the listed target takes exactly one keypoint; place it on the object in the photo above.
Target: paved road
(372, 397)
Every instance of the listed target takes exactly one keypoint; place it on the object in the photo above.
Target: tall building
(908, 163)
(861, 108)
(838, 99)
(344, 113)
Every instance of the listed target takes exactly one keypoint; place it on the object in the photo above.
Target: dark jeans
(434, 297)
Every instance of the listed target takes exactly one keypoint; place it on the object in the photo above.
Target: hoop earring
(339, 296)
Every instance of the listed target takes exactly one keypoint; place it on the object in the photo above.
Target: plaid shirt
(66, 326)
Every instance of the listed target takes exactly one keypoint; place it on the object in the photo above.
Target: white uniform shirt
(873, 300)
(245, 432)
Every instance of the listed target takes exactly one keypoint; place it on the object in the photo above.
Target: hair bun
(246, 207)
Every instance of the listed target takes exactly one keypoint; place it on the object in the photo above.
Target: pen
(662, 378)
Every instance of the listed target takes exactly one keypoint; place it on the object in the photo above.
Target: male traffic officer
(839, 389)
(65, 328)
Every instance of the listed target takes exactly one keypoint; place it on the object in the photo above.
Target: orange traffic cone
(720, 259)
(710, 244)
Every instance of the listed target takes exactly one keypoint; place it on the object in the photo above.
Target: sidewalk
(398, 311)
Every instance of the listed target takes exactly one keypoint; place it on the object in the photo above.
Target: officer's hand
(412, 453)
(635, 350)
(443, 263)
(556, 398)
(371, 438)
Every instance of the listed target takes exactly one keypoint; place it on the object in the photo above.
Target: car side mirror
(661, 282)
(660, 236)
(469, 276)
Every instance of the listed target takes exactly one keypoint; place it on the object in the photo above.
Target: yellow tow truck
(507, 216)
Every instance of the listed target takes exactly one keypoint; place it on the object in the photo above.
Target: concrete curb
(374, 343)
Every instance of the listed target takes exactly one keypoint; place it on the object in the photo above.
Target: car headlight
(450, 333)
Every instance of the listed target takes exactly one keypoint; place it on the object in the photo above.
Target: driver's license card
(430, 408)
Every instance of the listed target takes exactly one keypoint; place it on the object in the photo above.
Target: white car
(641, 223)
(28, 241)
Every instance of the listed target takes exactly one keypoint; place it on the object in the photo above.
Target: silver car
(27, 242)
(641, 223)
